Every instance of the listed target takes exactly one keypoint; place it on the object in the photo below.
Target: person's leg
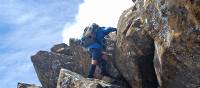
(103, 65)
(92, 69)
(95, 55)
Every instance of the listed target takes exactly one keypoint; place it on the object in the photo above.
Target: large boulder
(69, 79)
(164, 34)
(47, 66)
(135, 51)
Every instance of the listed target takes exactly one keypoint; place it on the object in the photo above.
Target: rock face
(24, 85)
(173, 28)
(69, 79)
(135, 51)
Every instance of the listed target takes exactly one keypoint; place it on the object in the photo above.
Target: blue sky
(27, 26)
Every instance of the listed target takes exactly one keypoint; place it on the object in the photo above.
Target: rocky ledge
(69, 79)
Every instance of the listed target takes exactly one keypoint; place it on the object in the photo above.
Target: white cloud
(102, 12)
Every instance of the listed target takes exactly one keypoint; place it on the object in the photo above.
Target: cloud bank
(102, 12)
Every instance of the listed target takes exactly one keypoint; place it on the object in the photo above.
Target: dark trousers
(97, 55)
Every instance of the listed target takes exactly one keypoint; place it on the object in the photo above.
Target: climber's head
(90, 30)
(93, 26)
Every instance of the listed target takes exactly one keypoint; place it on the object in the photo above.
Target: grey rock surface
(161, 36)
(69, 79)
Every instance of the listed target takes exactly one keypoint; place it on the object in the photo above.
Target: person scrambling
(93, 40)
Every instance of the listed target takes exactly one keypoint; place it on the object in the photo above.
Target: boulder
(162, 37)
(61, 49)
(69, 79)
(47, 66)
(134, 51)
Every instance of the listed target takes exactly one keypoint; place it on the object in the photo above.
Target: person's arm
(109, 29)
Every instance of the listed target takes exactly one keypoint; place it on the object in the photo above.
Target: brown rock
(135, 51)
(173, 27)
(47, 66)
(62, 49)
(69, 79)
(176, 39)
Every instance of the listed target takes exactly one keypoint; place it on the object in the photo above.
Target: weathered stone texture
(173, 28)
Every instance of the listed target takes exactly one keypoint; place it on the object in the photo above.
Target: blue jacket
(100, 34)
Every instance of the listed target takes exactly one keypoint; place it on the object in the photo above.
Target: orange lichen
(173, 21)
(176, 34)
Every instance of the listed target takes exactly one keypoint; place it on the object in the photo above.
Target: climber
(93, 40)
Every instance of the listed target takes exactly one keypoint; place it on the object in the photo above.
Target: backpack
(89, 35)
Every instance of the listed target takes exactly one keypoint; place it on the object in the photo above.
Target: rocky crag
(157, 46)
(159, 41)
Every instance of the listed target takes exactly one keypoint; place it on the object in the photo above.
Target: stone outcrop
(173, 28)
(48, 64)
(69, 79)
(25, 85)
(135, 51)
